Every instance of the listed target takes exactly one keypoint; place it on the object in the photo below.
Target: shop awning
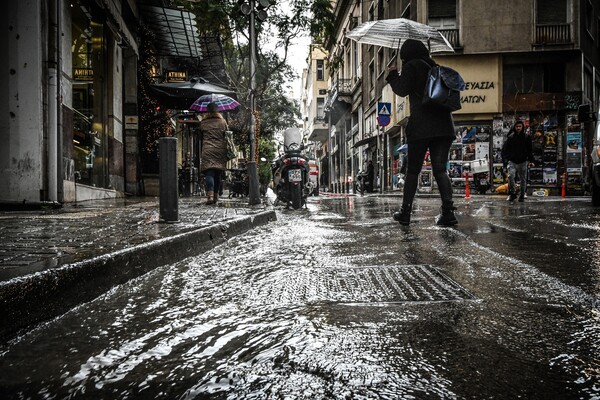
(364, 141)
(176, 32)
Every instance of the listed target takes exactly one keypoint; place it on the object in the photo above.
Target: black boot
(447, 217)
(403, 216)
(512, 196)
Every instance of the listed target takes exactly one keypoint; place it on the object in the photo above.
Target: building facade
(534, 61)
(314, 94)
(72, 73)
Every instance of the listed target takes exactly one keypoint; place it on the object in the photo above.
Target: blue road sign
(383, 120)
(384, 108)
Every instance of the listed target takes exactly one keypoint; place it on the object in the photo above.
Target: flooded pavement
(339, 302)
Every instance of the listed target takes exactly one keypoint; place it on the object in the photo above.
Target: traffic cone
(467, 188)
(563, 192)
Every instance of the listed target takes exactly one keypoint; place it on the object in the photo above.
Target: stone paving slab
(53, 259)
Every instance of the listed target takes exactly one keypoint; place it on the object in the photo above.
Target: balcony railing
(553, 34)
(452, 36)
(341, 87)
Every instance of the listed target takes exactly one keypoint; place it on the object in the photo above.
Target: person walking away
(370, 178)
(429, 128)
(517, 155)
(214, 151)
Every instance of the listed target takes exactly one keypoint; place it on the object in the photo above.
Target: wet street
(339, 302)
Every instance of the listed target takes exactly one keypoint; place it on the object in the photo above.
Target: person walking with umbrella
(429, 128)
(214, 150)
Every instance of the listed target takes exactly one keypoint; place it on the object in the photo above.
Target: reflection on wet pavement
(292, 310)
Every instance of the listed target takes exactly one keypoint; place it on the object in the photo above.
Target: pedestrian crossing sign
(384, 108)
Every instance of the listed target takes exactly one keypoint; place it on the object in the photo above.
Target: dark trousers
(212, 179)
(438, 152)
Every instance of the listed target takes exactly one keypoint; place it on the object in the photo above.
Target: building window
(589, 17)
(547, 78)
(551, 12)
(320, 108)
(441, 14)
(320, 70)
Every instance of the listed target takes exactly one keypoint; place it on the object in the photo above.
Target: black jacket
(425, 121)
(517, 148)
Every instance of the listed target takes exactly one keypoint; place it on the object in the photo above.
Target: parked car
(586, 115)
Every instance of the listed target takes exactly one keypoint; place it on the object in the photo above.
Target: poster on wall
(573, 142)
(469, 152)
(573, 162)
(456, 152)
(498, 174)
(507, 123)
(482, 150)
(536, 176)
(550, 138)
(550, 176)
(455, 170)
(549, 157)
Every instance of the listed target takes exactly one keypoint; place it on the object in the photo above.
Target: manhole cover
(403, 283)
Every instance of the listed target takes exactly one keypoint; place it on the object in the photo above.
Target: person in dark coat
(516, 151)
(214, 151)
(429, 128)
(370, 178)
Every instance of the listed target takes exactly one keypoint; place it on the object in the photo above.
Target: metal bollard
(169, 196)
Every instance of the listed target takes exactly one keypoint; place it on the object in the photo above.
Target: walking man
(517, 155)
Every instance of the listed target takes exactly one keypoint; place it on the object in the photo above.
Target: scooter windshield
(292, 140)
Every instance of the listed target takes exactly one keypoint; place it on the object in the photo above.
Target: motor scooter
(291, 171)
(481, 175)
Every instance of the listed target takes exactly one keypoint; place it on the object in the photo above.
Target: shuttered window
(442, 8)
(550, 12)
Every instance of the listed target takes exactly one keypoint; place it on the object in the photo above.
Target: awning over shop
(368, 140)
(176, 32)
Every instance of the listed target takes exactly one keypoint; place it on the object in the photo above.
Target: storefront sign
(131, 122)
(176, 76)
(482, 77)
(83, 74)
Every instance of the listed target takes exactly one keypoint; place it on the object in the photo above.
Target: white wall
(21, 106)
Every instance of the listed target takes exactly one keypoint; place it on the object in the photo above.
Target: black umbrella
(179, 95)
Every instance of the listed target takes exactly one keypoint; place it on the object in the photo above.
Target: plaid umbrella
(223, 102)
(393, 32)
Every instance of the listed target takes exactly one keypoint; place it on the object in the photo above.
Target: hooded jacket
(214, 145)
(425, 122)
(517, 147)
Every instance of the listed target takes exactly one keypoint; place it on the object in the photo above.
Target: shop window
(88, 71)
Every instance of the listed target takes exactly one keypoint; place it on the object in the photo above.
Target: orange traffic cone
(467, 188)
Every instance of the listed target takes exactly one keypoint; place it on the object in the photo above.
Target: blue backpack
(443, 87)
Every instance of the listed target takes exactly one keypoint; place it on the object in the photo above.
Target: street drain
(386, 284)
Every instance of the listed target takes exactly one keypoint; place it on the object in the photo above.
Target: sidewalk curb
(26, 301)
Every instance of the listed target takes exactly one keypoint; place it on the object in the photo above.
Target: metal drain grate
(389, 284)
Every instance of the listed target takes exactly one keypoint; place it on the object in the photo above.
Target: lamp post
(253, 192)
(251, 10)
